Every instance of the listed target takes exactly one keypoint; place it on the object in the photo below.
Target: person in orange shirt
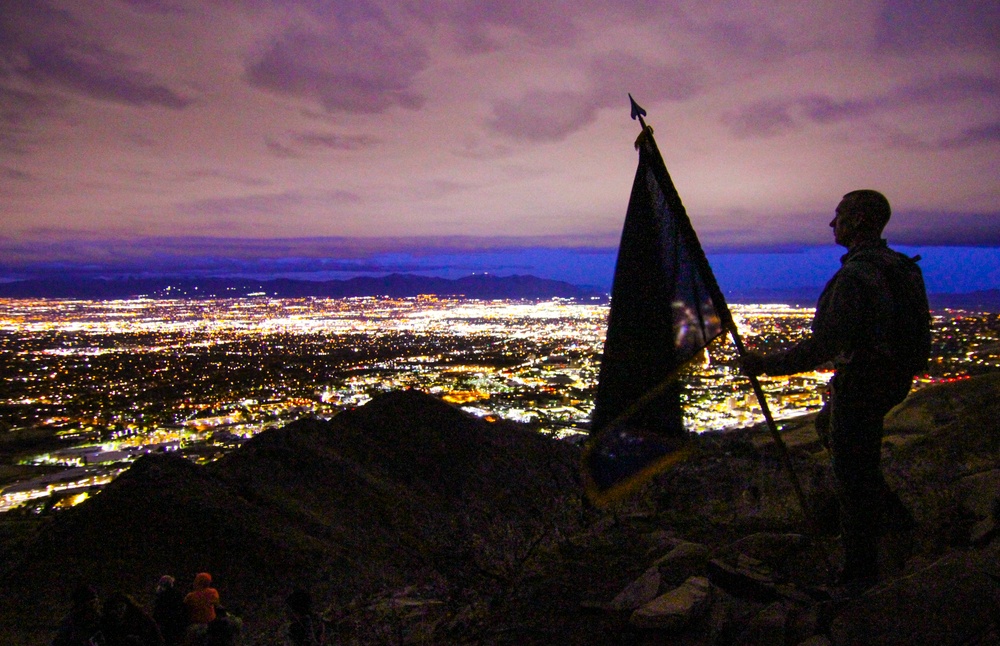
(201, 601)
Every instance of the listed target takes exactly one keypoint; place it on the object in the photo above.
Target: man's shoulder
(871, 261)
(879, 254)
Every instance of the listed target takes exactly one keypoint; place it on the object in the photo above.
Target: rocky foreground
(412, 522)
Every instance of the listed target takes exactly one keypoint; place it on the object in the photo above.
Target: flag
(665, 309)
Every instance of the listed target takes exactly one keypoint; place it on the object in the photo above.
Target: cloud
(542, 115)
(947, 88)
(18, 111)
(750, 40)
(765, 118)
(17, 106)
(262, 204)
(906, 27)
(162, 7)
(988, 133)
(294, 145)
(939, 228)
(280, 150)
(215, 174)
(552, 115)
(985, 134)
(769, 117)
(349, 60)
(438, 188)
(616, 74)
(41, 246)
(15, 174)
(334, 141)
(101, 75)
(907, 227)
(483, 26)
(46, 47)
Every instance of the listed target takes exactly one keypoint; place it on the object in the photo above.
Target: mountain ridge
(476, 286)
(481, 286)
(414, 522)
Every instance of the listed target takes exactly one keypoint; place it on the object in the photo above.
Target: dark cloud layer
(776, 116)
(110, 253)
(232, 209)
(298, 144)
(473, 22)
(947, 229)
(18, 112)
(480, 118)
(905, 26)
(352, 59)
(43, 45)
(544, 115)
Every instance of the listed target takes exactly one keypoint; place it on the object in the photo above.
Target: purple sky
(209, 128)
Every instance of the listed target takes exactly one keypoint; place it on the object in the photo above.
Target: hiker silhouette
(873, 322)
(169, 611)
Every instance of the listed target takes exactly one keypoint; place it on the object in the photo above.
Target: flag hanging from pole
(666, 308)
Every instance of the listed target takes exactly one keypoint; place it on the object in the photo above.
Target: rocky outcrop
(405, 490)
(951, 601)
(939, 585)
(674, 610)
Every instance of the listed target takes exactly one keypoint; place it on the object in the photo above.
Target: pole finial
(637, 111)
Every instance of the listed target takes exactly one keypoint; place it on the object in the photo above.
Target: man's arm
(839, 323)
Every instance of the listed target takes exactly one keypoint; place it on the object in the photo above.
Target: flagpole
(670, 193)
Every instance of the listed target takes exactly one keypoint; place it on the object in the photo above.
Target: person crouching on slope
(200, 603)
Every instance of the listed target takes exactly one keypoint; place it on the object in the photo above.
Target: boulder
(683, 562)
(951, 602)
(767, 627)
(747, 577)
(768, 547)
(979, 496)
(639, 592)
(674, 610)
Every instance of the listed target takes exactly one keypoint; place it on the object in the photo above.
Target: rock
(639, 592)
(951, 602)
(929, 409)
(794, 593)
(988, 561)
(803, 622)
(662, 541)
(683, 562)
(767, 627)
(979, 496)
(728, 616)
(748, 578)
(674, 610)
(768, 547)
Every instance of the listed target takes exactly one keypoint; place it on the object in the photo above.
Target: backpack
(909, 335)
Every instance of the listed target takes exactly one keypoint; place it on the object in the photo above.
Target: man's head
(860, 216)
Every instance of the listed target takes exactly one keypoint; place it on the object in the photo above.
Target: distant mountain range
(480, 286)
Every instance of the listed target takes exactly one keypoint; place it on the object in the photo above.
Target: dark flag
(665, 309)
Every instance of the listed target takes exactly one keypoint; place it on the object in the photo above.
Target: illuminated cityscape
(89, 386)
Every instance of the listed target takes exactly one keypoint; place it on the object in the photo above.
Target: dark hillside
(407, 489)
(413, 522)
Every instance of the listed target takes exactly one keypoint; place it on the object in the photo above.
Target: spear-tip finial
(637, 111)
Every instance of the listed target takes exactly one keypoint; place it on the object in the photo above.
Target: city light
(94, 385)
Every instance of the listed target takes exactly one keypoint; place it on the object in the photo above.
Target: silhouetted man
(872, 322)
